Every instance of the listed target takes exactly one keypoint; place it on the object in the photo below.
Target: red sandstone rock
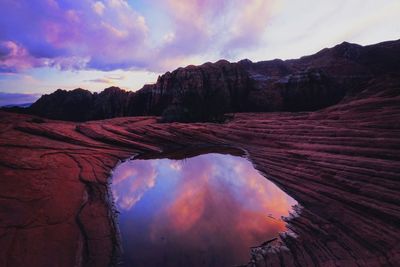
(341, 164)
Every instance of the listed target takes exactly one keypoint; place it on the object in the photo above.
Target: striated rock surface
(341, 164)
(196, 93)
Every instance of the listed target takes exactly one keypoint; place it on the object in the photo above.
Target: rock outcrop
(82, 105)
(196, 93)
(341, 164)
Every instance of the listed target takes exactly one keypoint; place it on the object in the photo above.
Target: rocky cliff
(194, 92)
(82, 105)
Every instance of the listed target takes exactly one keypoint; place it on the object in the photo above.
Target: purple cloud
(109, 34)
(14, 58)
(107, 79)
(71, 34)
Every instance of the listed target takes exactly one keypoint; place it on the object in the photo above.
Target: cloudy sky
(50, 44)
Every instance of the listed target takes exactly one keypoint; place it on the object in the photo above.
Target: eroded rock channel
(204, 210)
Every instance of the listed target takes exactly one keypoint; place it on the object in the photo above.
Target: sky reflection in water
(202, 211)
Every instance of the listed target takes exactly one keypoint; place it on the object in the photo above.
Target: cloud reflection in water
(203, 211)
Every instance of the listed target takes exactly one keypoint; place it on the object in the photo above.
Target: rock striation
(341, 164)
(199, 92)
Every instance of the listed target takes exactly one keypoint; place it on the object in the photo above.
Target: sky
(51, 44)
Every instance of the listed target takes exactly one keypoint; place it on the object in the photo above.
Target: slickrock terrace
(342, 164)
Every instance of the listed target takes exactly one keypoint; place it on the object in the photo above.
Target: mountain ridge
(203, 92)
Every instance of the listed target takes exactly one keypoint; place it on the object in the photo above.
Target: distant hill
(205, 92)
(24, 105)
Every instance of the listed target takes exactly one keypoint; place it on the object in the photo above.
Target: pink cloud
(219, 26)
(131, 183)
(83, 34)
(14, 58)
(110, 34)
(202, 191)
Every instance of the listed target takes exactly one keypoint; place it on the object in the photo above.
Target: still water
(206, 210)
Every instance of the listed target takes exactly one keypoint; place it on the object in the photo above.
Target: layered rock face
(305, 84)
(199, 90)
(341, 164)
